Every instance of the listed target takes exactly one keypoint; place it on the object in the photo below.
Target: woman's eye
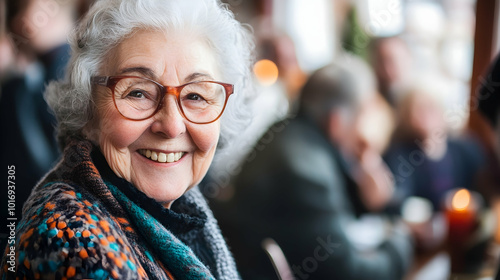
(194, 97)
(137, 94)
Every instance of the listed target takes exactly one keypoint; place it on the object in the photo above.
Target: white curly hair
(108, 22)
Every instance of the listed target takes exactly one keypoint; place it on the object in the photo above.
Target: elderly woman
(140, 115)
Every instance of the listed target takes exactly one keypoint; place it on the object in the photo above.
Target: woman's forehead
(159, 54)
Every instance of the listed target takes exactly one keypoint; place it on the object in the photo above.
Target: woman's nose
(169, 120)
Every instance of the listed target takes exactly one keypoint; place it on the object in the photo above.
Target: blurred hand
(375, 180)
(429, 235)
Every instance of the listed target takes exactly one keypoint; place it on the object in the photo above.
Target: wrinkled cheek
(116, 131)
(206, 144)
(201, 163)
(113, 143)
(204, 155)
(205, 137)
(118, 159)
(106, 120)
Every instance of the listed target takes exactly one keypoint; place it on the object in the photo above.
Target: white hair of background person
(108, 22)
(344, 85)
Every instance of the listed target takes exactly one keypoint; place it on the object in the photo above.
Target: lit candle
(461, 209)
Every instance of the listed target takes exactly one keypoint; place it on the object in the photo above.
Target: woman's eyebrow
(144, 71)
(141, 70)
(197, 75)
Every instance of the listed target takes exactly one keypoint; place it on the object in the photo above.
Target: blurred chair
(278, 259)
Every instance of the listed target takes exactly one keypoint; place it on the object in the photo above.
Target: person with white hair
(140, 115)
(426, 159)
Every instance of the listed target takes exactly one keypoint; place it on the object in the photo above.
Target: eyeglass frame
(111, 82)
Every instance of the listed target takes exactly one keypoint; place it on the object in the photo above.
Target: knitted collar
(176, 256)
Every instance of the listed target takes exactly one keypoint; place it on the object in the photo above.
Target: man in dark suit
(296, 188)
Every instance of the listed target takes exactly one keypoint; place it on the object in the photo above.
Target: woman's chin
(162, 190)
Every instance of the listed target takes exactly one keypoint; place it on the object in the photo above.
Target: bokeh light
(266, 72)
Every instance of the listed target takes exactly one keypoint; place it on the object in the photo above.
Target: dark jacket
(82, 221)
(294, 188)
(417, 175)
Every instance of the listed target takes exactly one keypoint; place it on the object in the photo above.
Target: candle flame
(461, 200)
(266, 72)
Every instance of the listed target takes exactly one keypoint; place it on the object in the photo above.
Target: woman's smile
(161, 157)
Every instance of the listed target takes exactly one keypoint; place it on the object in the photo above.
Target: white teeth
(170, 157)
(162, 157)
(154, 155)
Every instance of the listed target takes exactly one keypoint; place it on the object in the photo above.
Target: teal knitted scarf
(178, 257)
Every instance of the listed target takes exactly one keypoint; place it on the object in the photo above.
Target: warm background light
(266, 72)
(461, 200)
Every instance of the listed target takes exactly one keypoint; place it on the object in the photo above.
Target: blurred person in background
(280, 48)
(39, 31)
(6, 48)
(314, 175)
(392, 61)
(425, 159)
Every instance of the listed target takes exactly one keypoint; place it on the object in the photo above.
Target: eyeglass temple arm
(100, 80)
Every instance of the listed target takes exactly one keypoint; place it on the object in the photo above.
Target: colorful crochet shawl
(81, 221)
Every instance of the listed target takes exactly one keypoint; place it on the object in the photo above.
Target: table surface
(436, 265)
